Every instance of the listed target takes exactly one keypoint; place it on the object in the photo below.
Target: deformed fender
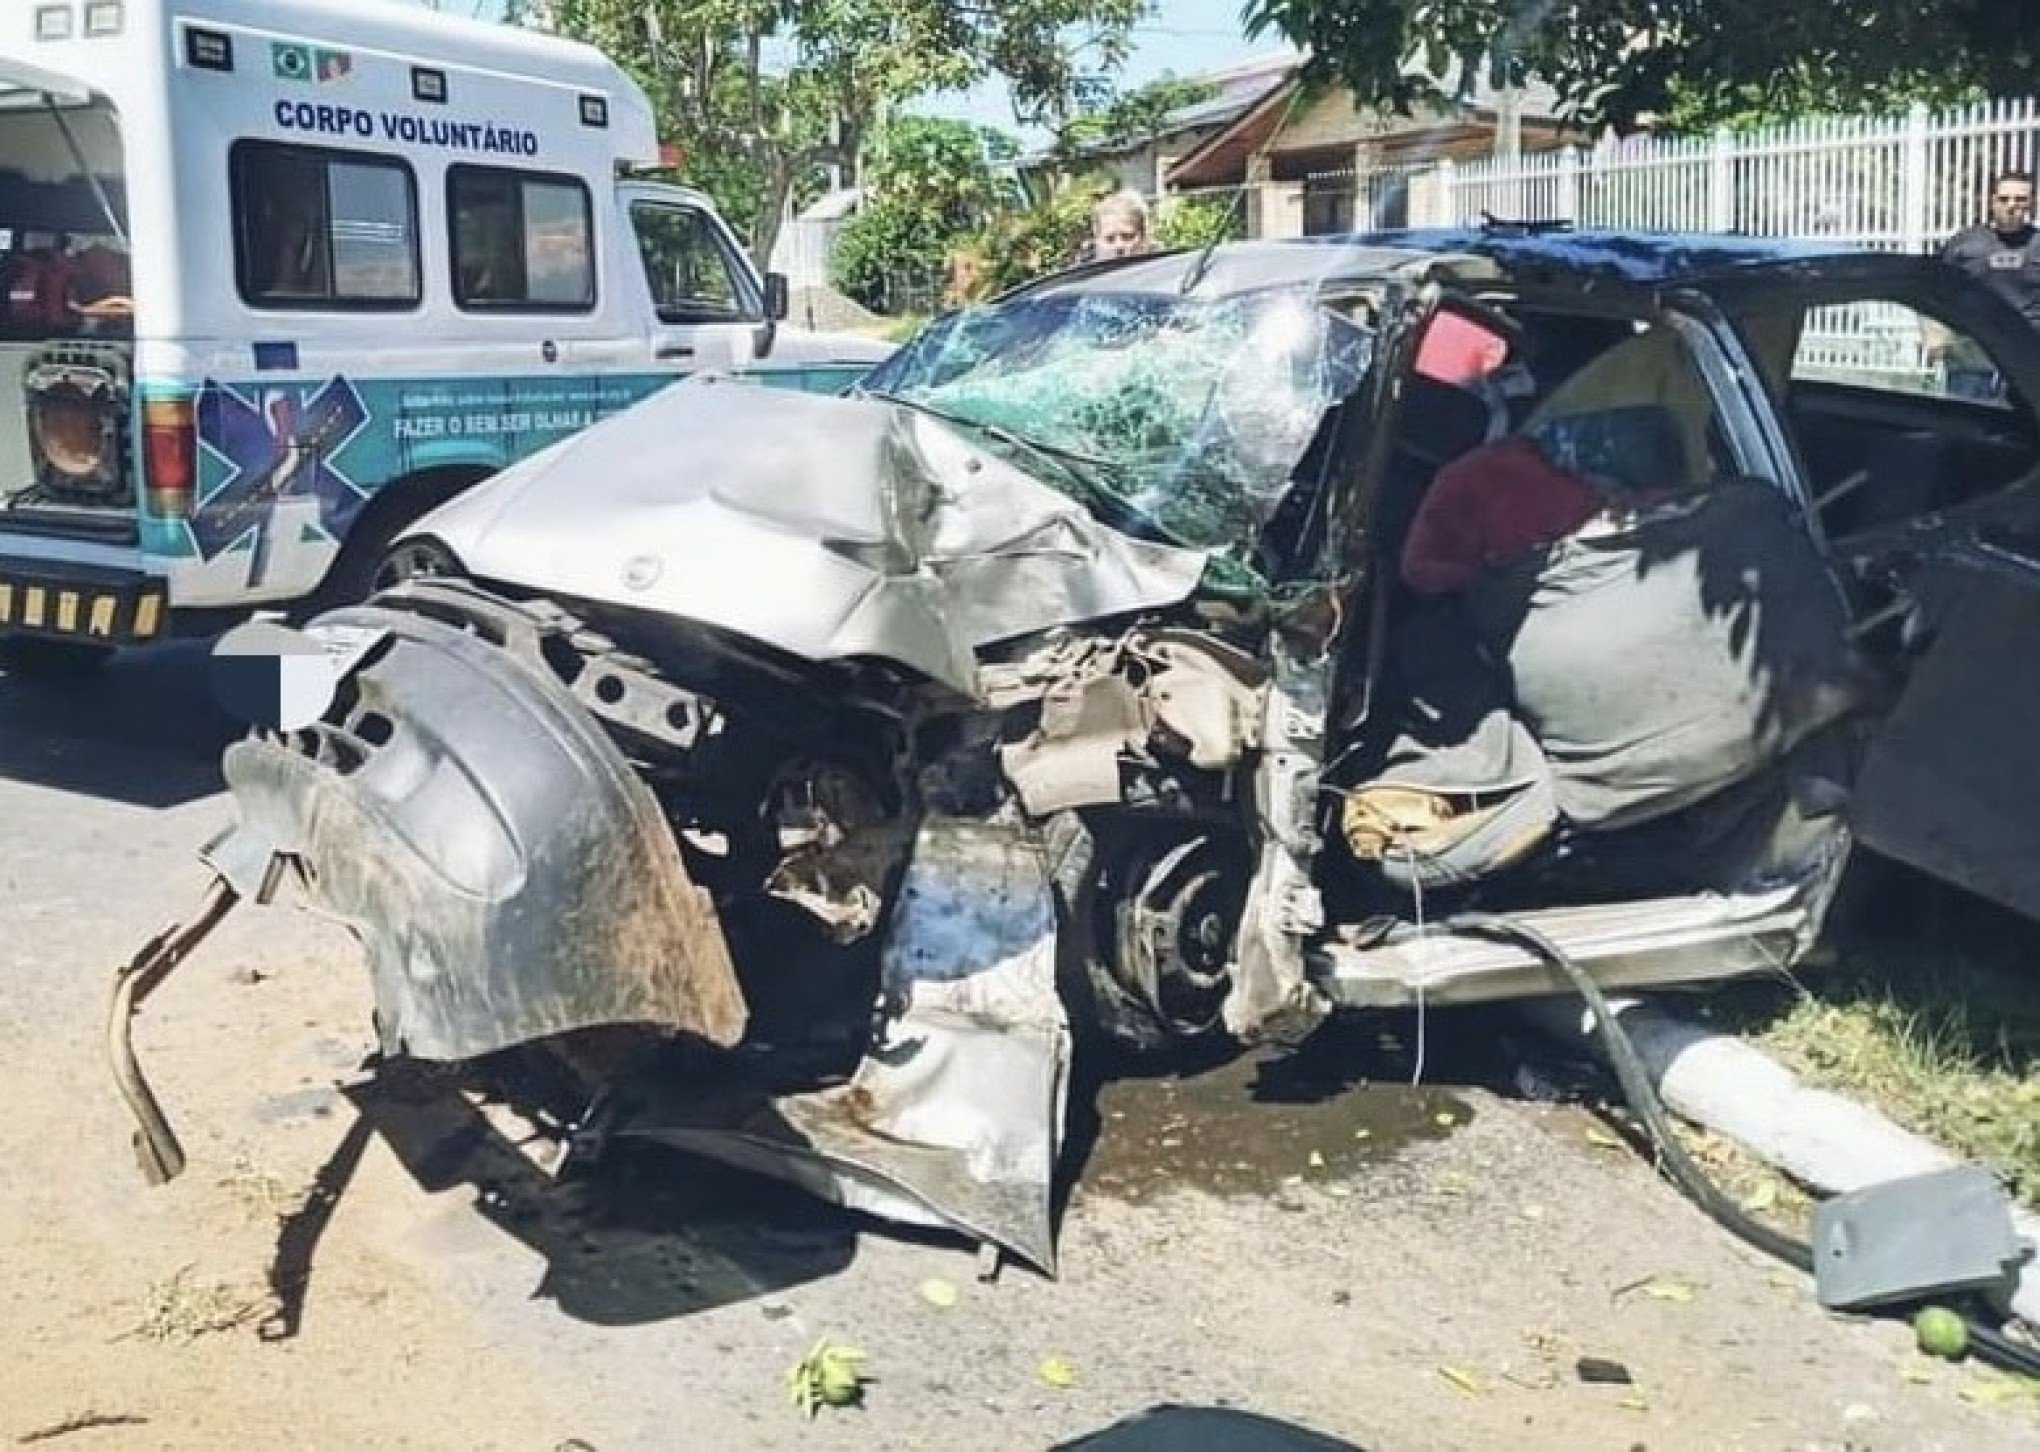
(954, 1118)
(507, 872)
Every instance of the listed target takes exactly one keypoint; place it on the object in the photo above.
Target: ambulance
(279, 276)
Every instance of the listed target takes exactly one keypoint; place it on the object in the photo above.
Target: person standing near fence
(1119, 227)
(2004, 253)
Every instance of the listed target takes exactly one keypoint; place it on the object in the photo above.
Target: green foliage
(1020, 246)
(932, 184)
(1131, 120)
(1693, 61)
(1187, 222)
(885, 259)
(761, 94)
(941, 169)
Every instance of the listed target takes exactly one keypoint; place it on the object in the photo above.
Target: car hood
(826, 527)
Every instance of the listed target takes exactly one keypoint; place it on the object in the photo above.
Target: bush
(1198, 221)
(1021, 246)
(932, 185)
(888, 258)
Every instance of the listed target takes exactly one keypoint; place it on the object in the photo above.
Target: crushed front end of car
(841, 749)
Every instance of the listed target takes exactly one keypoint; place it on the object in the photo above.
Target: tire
(32, 657)
(356, 573)
(1096, 865)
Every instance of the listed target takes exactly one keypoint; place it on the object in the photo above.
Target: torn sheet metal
(1271, 997)
(1147, 695)
(954, 1118)
(508, 873)
(883, 531)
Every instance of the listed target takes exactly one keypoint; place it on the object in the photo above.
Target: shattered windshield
(1176, 417)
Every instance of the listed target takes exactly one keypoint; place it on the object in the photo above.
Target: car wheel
(1150, 913)
(414, 559)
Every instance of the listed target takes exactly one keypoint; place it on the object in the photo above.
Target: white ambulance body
(278, 275)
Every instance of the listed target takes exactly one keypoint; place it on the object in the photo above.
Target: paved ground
(1404, 1269)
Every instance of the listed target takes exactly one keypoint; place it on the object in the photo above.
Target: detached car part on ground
(1071, 680)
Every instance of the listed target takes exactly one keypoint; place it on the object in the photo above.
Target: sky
(1180, 37)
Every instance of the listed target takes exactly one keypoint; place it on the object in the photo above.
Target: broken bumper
(512, 879)
(508, 873)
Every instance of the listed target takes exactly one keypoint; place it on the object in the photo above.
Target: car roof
(1519, 253)
(1650, 258)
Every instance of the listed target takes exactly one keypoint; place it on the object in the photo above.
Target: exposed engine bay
(1128, 666)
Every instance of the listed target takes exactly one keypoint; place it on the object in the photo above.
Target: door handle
(674, 350)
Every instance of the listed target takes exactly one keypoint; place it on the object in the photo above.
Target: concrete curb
(1819, 1138)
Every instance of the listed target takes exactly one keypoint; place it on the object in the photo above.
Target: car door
(706, 305)
(1910, 397)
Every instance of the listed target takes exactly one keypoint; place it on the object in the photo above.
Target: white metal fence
(1902, 182)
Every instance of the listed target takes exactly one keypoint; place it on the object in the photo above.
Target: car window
(1642, 401)
(522, 241)
(1891, 347)
(688, 266)
(323, 229)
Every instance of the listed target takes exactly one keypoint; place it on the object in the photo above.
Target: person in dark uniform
(2004, 253)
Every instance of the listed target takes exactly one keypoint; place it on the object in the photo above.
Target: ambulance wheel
(33, 658)
(359, 571)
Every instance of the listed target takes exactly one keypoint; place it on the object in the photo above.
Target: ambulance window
(323, 229)
(693, 277)
(521, 240)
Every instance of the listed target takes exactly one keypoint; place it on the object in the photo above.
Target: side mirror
(777, 300)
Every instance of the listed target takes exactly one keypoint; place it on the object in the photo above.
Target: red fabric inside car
(1498, 502)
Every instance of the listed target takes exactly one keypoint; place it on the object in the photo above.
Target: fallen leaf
(1451, 1183)
(1447, 1120)
(1363, 1134)
(1317, 1161)
(1633, 1404)
(1465, 1380)
(1916, 1374)
(1989, 1393)
(1599, 1138)
(1762, 1198)
(1668, 1288)
(828, 1376)
(1058, 1372)
(938, 1293)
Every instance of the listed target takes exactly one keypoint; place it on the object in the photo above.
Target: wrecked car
(1180, 647)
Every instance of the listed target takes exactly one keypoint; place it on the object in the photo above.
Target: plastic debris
(1600, 1371)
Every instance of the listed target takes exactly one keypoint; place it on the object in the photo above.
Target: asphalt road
(386, 1261)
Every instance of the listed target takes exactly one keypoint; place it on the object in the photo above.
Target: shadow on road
(144, 730)
(1175, 1428)
(647, 1236)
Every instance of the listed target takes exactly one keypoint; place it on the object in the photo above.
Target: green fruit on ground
(1941, 1332)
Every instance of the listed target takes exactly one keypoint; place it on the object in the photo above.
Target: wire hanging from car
(1990, 1343)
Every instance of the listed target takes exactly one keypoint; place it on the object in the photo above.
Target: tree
(1694, 61)
(1130, 120)
(931, 183)
(760, 94)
